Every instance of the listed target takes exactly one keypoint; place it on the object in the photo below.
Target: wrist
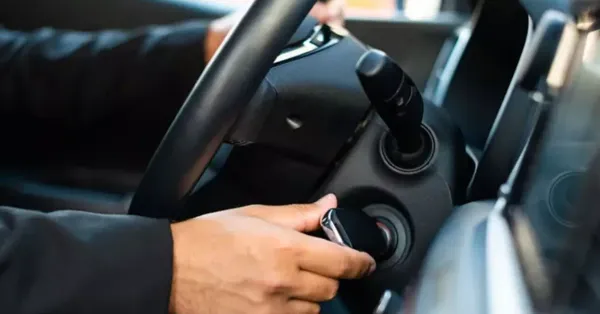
(174, 279)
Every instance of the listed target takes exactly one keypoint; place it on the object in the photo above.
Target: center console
(398, 182)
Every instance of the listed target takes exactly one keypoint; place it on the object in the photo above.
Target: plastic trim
(308, 47)
(506, 289)
(463, 36)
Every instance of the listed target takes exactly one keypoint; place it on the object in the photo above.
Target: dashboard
(534, 249)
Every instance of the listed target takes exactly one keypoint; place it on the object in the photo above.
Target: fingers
(336, 12)
(302, 217)
(302, 307)
(330, 12)
(314, 288)
(331, 260)
(320, 12)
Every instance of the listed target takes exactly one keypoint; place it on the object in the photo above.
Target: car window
(416, 9)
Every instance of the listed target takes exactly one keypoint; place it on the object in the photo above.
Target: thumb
(300, 217)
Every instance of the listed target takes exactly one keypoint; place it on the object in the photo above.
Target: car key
(357, 230)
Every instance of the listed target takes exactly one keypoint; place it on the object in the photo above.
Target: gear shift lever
(356, 229)
(400, 105)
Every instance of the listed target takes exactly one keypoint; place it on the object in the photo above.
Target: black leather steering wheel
(225, 87)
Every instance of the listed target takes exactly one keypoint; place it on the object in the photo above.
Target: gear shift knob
(394, 96)
(356, 229)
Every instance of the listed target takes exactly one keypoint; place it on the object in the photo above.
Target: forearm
(78, 78)
(73, 262)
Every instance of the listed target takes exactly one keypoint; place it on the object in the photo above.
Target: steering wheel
(227, 84)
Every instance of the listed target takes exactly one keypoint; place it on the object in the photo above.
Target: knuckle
(285, 254)
(285, 245)
(286, 251)
(345, 266)
(275, 284)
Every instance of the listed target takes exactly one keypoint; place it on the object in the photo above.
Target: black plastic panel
(279, 164)
(486, 69)
(508, 133)
(320, 93)
(503, 148)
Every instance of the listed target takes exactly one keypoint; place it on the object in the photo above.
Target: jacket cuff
(144, 254)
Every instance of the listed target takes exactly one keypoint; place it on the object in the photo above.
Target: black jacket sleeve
(69, 78)
(73, 262)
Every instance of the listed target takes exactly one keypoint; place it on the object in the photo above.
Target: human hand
(257, 260)
(331, 12)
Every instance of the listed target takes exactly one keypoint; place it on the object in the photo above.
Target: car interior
(424, 128)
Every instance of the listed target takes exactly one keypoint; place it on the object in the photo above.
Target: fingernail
(326, 199)
(372, 268)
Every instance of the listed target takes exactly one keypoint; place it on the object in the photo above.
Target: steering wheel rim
(225, 87)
